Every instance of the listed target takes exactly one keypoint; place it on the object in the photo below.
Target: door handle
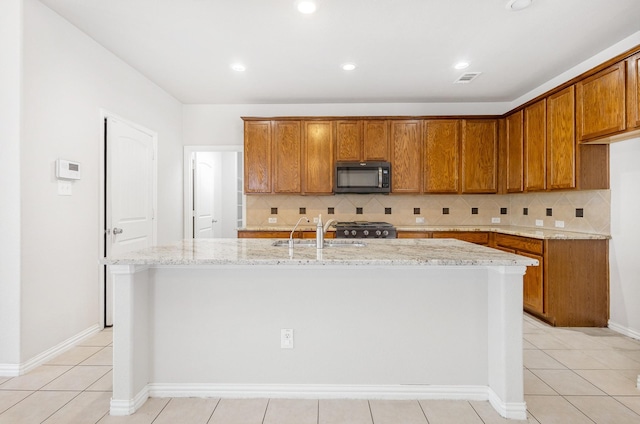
(117, 231)
(214, 220)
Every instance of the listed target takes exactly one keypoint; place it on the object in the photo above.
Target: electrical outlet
(65, 188)
(539, 223)
(495, 220)
(286, 338)
(420, 220)
(273, 220)
(559, 224)
(315, 219)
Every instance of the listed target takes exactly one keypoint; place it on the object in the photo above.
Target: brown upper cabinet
(257, 156)
(515, 145)
(561, 141)
(406, 156)
(479, 156)
(535, 146)
(600, 103)
(633, 91)
(287, 155)
(441, 156)
(362, 140)
(318, 157)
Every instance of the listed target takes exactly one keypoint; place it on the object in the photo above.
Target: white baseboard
(9, 370)
(511, 411)
(308, 391)
(128, 407)
(13, 370)
(629, 332)
(516, 411)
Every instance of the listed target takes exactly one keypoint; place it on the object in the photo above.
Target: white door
(203, 195)
(130, 189)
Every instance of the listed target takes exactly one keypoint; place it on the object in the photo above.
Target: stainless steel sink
(327, 243)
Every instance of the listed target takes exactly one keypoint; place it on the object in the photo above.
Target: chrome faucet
(321, 230)
(294, 230)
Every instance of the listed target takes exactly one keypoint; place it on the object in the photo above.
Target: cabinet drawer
(477, 237)
(413, 234)
(519, 243)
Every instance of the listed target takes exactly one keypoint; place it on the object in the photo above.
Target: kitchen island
(394, 319)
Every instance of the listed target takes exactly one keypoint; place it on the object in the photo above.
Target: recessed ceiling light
(349, 66)
(516, 5)
(238, 67)
(461, 65)
(306, 7)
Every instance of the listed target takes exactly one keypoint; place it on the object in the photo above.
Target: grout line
(264, 417)
(424, 413)
(214, 410)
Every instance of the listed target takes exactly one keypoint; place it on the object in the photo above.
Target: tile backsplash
(526, 210)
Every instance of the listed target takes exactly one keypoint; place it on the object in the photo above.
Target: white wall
(222, 124)
(10, 115)
(625, 233)
(68, 79)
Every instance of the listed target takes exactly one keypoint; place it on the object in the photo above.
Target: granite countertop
(386, 252)
(539, 233)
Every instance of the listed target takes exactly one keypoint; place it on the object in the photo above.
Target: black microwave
(362, 177)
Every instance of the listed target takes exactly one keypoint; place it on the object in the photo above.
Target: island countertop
(387, 252)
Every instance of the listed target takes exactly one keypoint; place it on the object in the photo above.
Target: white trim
(516, 410)
(638, 382)
(320, 391)
(128, 407)
(187, 190)
(13, 370)
(624, 330)
(510, 410)
(9, 370)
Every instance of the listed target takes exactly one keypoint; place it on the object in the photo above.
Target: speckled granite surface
(388, 252)
(507, 229)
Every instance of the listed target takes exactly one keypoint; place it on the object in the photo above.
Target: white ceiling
(405, 49)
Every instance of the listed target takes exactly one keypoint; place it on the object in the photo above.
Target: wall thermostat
(67, 170)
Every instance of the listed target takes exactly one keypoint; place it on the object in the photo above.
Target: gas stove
(365, 229)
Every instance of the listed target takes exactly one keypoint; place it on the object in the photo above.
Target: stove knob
(378, 233)
(353, 233)
(365, 232)
(346, 232)
(385, 233)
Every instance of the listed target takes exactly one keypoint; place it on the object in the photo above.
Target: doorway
(128, 197)
(213, 197)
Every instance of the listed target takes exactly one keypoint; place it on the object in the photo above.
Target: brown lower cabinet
(570, 287)
(282, 234)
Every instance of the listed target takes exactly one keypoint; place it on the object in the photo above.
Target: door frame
(188, 183)
(105, 203)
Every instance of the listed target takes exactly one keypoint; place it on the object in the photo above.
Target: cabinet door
(479, 155)
(535, 146)
(257, 156)
(406, 157)
(600, 103)
(633, 91)
(348, 140)
(561, 145)
(376, 140)
(318, 157)
(533, 285)
(441, 156)
(287, 145)
(515, 123)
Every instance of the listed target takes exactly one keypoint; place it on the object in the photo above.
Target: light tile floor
(578, 375)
